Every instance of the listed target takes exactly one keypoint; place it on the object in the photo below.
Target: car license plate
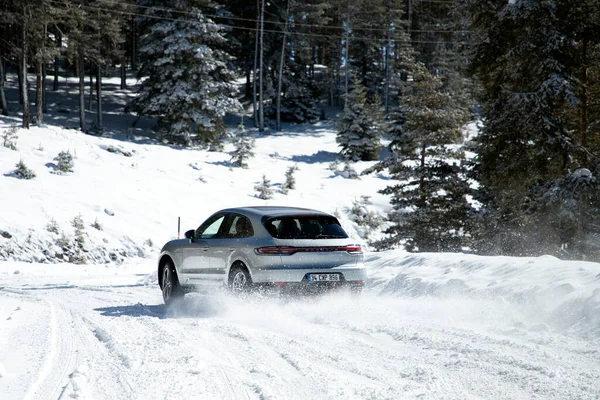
(323, 277)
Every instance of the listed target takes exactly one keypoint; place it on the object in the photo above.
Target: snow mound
(561, 295)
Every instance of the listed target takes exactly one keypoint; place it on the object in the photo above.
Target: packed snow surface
(427, 326)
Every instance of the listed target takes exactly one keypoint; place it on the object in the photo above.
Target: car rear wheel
(171, 290)
(239, 279)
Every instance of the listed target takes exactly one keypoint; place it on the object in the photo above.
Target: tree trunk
(584, 108)
(3, 104)
(254, 80)
(57, 61)
(55, 84)
(99, 95)
(254, 99)
(313, 61)
(346, 61)
(20, 79)
(410, 15)
(422, 160)
(281, 61)
(44, 102)
(279, 79)
(91, 104)
(133, 45)
(39, 93)
(248, 86)
(386, 64)
(123, 73)
(81, 72)
(261, 115)
(24, 93)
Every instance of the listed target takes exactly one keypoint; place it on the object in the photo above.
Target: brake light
(276, 250)
(353, 249)
(289, 250)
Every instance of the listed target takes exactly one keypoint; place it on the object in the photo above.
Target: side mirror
(190, 234)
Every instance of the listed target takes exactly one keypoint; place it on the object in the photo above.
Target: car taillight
(353, 249)
(288, 250)
(276, 250)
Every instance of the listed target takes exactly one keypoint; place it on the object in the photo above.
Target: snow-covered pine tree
(299, 101)
(243, 147)
(430, 207)
(9, 137)
(263, 189)
(535, 120)
(23, 172)
(559, 215)
(64, 162)
(290, 180)
(186, 73)
(360, 126)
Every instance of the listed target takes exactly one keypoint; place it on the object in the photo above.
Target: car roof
(274, 211)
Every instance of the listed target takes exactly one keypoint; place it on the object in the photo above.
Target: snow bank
(548, 293)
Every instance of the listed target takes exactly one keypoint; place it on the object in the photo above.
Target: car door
(196, 261)
(235, 228)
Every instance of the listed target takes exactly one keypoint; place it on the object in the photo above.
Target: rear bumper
(347, 274)
(306, 287)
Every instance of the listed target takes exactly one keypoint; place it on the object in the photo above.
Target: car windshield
(305, 227)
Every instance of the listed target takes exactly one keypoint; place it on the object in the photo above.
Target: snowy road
(108, 336)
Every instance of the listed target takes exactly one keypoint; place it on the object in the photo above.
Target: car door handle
(231, 248)
(205, 248)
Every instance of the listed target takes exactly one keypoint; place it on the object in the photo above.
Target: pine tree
(64, 162)
(360, 127)
(558, 216)
(536, 120)
(243, 145)
(263, 189)
(9, 137)
(23, 172)
(430, 207)
(290, 180)
(375, 24)
(186, 73)
(299, 101)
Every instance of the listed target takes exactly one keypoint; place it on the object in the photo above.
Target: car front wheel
(171, 290)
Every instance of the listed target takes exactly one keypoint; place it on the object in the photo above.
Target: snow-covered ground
(429, 326)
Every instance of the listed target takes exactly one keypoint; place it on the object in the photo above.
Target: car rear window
(304, 227)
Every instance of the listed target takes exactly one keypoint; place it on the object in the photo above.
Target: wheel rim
(239, 282)
(167, 284)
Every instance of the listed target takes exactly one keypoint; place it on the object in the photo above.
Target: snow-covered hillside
(428, 326)
(137, 193)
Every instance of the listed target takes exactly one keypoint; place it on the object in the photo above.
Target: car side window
(240, 227)
(210, 228)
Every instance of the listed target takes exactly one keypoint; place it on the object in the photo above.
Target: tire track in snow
(59, 360)
(48, 364)
(331, 348)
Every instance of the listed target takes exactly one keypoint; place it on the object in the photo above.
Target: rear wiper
(322, 236)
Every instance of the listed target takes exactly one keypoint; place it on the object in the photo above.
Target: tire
(171, 290)
(355, 291)
(239, 279)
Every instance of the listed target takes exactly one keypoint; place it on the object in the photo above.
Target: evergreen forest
(403, 76)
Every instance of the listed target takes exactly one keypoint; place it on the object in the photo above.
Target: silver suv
(277, 247)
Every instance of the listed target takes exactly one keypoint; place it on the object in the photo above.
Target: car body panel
(206, 260)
